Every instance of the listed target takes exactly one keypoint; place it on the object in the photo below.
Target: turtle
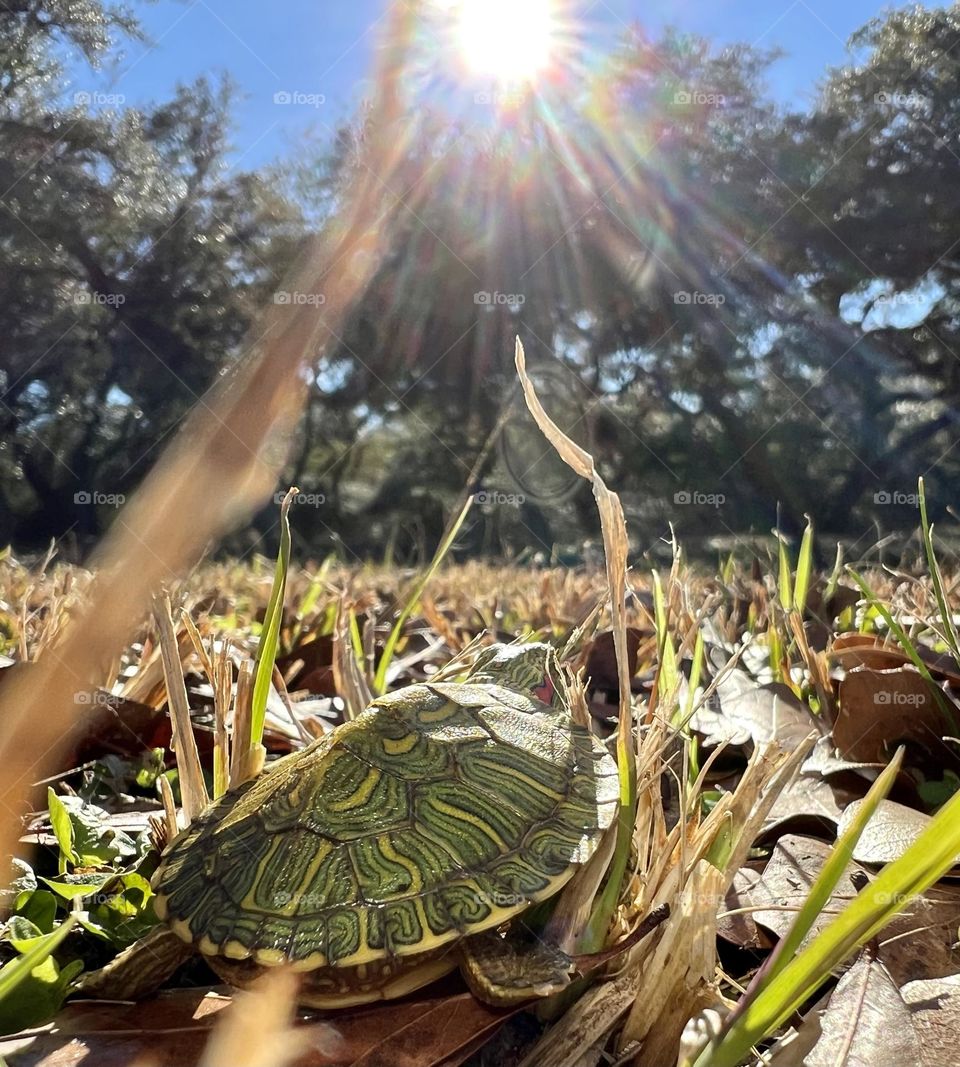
(395, 849)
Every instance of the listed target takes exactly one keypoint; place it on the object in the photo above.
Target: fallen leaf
(935, 1007)
(866, 1023)
(825, 761)
(735, 922)
(879, 709)
(917, 943)
(868, 650)
(309, 666)
(601, 667)
(785, 884)
(742, 712)
(173, 1027)
(892, 829)
(808, 803)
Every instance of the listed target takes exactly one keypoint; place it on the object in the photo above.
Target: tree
(131, 261)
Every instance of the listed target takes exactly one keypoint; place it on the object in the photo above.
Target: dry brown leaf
(868, 650)
(749, 712)
(437, 1031)
(879, 709)
(309, 666)
(809, 802)
(917, 943)
(824, 761)
(892, 829)
(785, 884)
(935, 1006)
(866, 1023)
(735, 923)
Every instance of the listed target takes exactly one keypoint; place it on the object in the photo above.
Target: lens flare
(509, 40)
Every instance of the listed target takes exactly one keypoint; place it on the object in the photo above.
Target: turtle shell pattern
(442, 810)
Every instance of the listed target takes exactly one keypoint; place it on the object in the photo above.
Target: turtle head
(532, 668)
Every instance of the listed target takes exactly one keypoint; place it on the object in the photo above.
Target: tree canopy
(735, 306)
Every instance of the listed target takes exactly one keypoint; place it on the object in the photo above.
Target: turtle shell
(441, 811)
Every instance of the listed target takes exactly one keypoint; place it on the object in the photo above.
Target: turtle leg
(507, 970)
(139, 969)
(504, 971)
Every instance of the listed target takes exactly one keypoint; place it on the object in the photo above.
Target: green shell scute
(440, 811)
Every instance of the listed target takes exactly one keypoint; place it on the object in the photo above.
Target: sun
(508, 40)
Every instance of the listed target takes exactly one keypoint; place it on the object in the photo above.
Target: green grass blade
(696, 668)
(932, 854)
(826, 881)
(380, 678)
(14, 972)
(801, 585)
(834, 580)
(669, 675)
(946, 616)
(786, 582)
(62, 830)
(270, 634)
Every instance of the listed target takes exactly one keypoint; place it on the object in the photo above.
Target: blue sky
(322, 49)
